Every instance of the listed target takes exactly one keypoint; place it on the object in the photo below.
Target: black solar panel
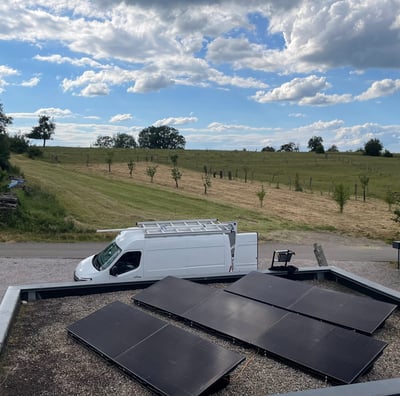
(360, 313)
(235, 316)
(340, 354)
(270, 289)
(165, 358)
(115, 328)
(331, 351)
(181, 296)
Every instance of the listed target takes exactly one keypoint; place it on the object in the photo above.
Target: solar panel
(359, 313)
(235, 316)
(181, 296)
(115, 328)
(167, 359)
(331, 351)
(337, 353)
(270, 289)
(177, 362)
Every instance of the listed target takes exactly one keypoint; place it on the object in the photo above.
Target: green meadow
(79, 202)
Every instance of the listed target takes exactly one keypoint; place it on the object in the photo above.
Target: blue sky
(227, 74)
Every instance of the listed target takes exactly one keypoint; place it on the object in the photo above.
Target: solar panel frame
(151, 350)
(360, 313)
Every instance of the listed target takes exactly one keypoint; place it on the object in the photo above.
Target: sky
(227, 74)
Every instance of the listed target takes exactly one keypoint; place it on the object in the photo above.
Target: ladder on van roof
(186, 227)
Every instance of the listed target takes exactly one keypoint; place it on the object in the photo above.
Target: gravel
(41, 359)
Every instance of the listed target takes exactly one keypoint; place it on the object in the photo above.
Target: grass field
(96, 198)
(317, 172)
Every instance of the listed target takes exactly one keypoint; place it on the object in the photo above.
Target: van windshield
(104, 259)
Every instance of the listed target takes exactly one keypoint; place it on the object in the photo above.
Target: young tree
(261, 195)
(364, 180)
(297, 184)
(174, 159)
(391, 198)
(176, 175)
(162, 137)
(341, 195)
(151, 171)
(206, 178)
(44, 130)
(373, 147)
(131, 167)
(109, 160)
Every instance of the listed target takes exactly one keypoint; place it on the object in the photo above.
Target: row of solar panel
(259, 310)
(329, 350)
(348, 310)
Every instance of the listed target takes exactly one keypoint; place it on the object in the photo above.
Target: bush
(34, 152)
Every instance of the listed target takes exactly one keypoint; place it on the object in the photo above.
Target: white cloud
(59, 59)
(380, 88)
(120, 117)
(50, 111)
(175, 121)
(294, 90)
(31, 83)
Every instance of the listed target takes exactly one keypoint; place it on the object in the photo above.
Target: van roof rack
(186, 227)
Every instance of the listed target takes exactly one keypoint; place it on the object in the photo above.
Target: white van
(183, 248)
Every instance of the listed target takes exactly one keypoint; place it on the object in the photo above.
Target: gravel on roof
(41, 359)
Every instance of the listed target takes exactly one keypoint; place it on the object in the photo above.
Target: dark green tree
(19, 144)
(162, 137)
(104, 142)
(4, 152)
(373, 147)
(4, 140)
(44, 130)
(123, 140)
(332, 149)
(315, 145)
(4, 120)
(268, 149)
(288, 147)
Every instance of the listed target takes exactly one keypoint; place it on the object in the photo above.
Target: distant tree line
(162, 137)
(373, 147)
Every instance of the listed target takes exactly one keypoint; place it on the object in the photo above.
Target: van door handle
(137, 276)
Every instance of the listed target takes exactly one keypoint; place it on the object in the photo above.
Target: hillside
(97, 198)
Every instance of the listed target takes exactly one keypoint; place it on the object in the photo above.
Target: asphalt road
(28, 263)
(334, 251)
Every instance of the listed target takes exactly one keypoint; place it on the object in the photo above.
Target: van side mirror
(114, 271)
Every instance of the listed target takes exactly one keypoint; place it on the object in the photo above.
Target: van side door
(128, 266)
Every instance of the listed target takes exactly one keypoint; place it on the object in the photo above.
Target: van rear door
(128, 267)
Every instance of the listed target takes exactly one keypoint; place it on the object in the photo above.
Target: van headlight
(77, 278)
